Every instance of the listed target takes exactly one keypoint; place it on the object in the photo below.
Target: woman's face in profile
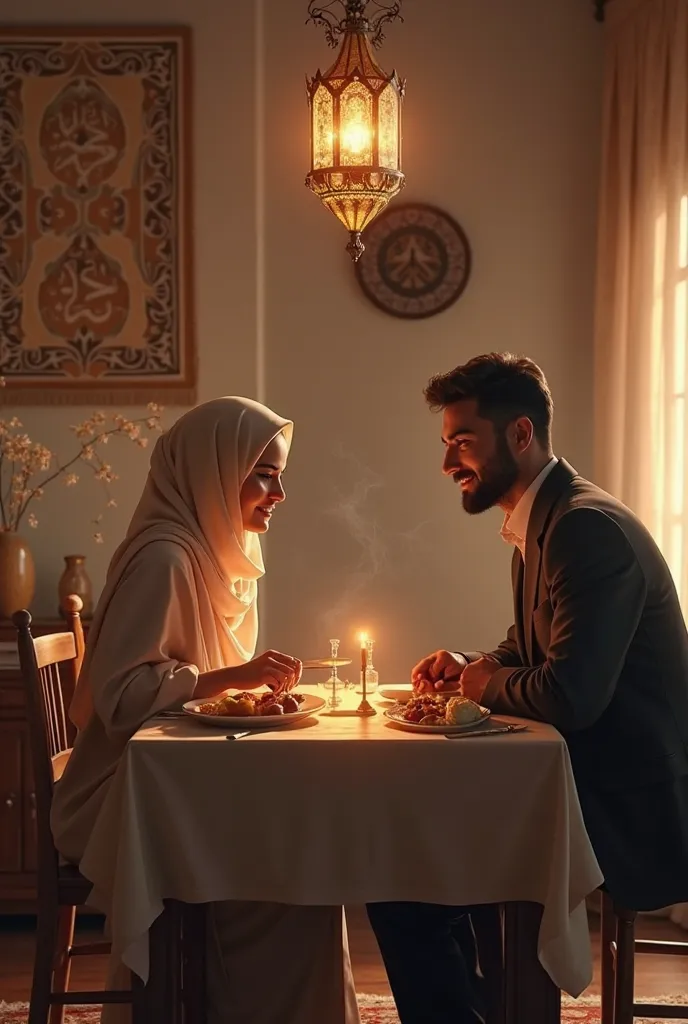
(262, 489)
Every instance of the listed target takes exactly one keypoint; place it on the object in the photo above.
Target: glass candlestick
(371, 676)
(334, 684)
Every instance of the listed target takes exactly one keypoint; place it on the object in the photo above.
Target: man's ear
(522, 434)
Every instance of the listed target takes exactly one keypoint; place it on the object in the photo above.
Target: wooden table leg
(193, 963)
(488, 928)
(531, 995)
(160, 1000)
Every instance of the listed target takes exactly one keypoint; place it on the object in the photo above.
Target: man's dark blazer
(599, 649)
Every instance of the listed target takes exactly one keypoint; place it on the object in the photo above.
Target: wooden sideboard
(17, 798)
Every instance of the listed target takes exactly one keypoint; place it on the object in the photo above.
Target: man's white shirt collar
(515, 526)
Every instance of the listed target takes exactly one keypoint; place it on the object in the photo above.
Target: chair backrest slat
(46, 693)
(56, 719)
(54, 648)
(62, 712)
(49, 667)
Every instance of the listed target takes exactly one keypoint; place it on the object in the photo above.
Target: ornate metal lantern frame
(355, 117)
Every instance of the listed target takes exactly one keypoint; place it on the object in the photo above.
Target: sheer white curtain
(641, 420)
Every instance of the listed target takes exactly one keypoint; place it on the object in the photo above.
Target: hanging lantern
(355, 119)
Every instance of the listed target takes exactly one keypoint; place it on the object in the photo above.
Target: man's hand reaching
(438, 673)
(476, 676)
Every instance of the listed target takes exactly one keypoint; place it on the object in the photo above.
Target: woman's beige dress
(179, 599)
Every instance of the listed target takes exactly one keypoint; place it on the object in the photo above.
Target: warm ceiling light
(355, 117)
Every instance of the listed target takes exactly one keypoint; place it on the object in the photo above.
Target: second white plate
(400, 693)
(396, 716)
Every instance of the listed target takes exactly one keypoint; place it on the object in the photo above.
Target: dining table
(344, 809)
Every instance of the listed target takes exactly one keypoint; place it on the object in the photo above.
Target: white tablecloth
(342, 810)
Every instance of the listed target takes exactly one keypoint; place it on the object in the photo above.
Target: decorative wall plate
(417, 261)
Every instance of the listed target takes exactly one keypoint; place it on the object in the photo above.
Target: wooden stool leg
(46, 934)
(63, 961)
(625, 956)
(607, 937)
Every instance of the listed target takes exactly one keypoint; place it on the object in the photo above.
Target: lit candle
(364, 707)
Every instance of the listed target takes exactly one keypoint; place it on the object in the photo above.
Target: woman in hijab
(178, 619)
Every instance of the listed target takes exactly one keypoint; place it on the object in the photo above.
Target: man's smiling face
(477, 456)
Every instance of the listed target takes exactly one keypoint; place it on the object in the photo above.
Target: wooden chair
(50, 666)
(619, 948)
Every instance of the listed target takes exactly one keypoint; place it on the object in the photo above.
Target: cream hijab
(191, 497)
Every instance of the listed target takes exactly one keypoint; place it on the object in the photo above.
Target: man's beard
(496, 478)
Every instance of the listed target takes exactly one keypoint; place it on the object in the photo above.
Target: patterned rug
(374, 1010)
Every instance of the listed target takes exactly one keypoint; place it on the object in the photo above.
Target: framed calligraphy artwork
(96, 268)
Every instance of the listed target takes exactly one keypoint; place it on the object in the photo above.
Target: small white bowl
(401, 693)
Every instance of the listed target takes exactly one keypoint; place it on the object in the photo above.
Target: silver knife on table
(488, 732)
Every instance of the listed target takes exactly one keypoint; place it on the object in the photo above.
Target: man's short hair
(504, 386)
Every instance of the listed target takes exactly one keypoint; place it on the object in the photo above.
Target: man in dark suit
(599, 649)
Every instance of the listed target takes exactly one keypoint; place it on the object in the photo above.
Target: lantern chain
(355, 15)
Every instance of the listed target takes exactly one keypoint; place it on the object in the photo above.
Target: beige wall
(501, 129)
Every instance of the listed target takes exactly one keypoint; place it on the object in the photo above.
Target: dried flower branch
(25, 465)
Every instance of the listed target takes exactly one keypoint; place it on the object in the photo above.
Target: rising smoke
(380, 550)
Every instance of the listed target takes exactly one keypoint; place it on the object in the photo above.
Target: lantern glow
(355, 120)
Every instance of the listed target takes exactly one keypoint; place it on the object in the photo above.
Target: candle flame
(363, 637)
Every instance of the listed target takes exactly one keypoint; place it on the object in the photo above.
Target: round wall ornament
(417, 261)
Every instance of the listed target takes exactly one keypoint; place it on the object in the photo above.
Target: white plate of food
(253, 709)
(440, 713)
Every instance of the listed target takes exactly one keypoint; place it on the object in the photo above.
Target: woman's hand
(278, 671)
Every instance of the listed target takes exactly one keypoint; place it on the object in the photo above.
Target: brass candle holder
(365, 708)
